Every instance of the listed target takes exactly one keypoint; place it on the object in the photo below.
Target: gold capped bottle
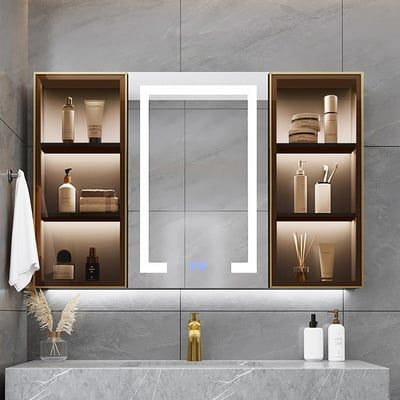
(67, 194)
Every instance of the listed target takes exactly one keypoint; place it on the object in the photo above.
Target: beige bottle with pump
(67, 195)
(300, 189)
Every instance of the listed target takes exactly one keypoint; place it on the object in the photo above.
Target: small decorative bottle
(68, 121)
(54, 348)
(92, 266)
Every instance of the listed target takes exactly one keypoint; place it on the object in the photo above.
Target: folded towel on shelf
(24, 257)
(98, 200)
(97, 193)
(98, 207)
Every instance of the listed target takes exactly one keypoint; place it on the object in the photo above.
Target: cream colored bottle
(300, 189)
(330, 119)
(67, 195)
(68, 121)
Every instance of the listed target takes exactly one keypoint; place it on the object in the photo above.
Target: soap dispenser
(67, 195)
(300, 189)
(336, 339)
(313, 341)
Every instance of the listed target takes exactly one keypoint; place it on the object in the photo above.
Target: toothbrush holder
(322, 191)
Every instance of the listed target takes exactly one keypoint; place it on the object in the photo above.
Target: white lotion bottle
(313, 341)
(67, 195)
(336, 339)
(300, 189)
(68, 121)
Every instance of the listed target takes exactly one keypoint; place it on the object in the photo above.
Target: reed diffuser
(302, 272)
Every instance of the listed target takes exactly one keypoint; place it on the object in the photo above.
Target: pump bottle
(313, 341)
(300, 189)
(67, 195)
(336, 339)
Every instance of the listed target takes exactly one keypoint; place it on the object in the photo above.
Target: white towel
(24, 257)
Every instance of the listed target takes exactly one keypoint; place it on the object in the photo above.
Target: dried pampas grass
(68, 316)
(36, 304)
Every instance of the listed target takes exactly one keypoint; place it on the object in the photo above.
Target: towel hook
(10, 175)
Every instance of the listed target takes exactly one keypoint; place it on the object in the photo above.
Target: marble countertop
(210, 364)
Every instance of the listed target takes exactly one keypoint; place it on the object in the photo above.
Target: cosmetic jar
(304, 135)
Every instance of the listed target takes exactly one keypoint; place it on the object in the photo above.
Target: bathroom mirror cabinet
(188, 186)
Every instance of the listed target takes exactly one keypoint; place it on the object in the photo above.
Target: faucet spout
(194, 339)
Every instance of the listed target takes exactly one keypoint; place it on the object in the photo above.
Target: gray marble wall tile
(117, 336)
(102, 35)
(166, 245)
(381, 230)
(11, 157)
(166, 159)
(369, 27)
(13, 64)
(216, 239)
(374, 337)
(117, 300)
(12, 341)
(256, 300)
(261, 35)
(252, 335)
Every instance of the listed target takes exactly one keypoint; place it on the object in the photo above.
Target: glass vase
(301, 274)
(54, 348)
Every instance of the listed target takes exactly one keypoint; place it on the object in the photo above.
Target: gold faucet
(194, 339)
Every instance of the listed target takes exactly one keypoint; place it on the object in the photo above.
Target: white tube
(94, 119)
(326, 260)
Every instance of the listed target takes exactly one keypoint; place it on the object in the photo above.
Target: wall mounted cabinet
(341, 228)
(94, 166)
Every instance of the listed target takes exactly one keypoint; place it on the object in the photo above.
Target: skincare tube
(94, 119)
(326, 260)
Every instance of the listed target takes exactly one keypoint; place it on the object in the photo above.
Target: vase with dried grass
(54, 348)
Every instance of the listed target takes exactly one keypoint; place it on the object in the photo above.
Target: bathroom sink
(180, 380)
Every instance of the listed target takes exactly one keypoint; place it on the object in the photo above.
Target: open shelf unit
(293, 93)
(94, 166)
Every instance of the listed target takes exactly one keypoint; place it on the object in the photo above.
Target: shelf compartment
(75, 217)
(341, 233)
(316, 217)
(295, 148)
(77, 238)
(79, 148)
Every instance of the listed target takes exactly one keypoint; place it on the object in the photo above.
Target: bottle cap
(300, 167)
(313, 322)
(63, 257)
(330, 104)
(67, 177)
(335, 313)
(68, 101)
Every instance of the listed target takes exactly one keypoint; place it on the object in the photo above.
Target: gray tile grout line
(199, 211)
(12, 131)
(342, 35)
(180, 324)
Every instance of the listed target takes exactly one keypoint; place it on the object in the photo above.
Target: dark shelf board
(316, 217)
(84, 217)
(315, 148)
(70, 148)
(71, 283)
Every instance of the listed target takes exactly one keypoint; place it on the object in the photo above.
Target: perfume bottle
(92, 266)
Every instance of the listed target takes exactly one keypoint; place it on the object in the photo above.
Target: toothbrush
(332, 173)
(326, 170)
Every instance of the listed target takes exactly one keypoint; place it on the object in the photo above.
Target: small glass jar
(54, 348)
(301, 274)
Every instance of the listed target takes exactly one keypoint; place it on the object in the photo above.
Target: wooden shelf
(317, 148)
(84, 217)
(331, 217)
(70, 148)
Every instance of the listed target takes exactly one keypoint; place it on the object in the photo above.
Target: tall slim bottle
(300, 189)
(68, 121)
